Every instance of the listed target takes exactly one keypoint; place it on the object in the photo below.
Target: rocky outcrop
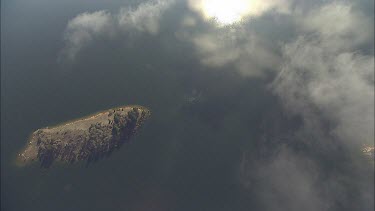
(88, 139)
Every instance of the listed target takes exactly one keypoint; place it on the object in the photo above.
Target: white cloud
(250, 54)
(233, 42)
(145, 18)
(339, 26)
(85, 27)
(321, 72)
(324, 70)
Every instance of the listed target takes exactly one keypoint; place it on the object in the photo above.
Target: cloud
(229, 12)
(324, 75)
(248, 53)
(86, 27)
(289, 182)
(324, 70)
(293, 180)
(340, 85)
(236, 44)
(145, 18)
(82, 29)
(339, 26)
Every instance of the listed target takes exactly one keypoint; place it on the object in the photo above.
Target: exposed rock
(89, 139)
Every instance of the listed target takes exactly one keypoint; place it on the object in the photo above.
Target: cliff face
(89, 139)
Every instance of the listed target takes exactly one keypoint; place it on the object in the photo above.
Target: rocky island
(87, 139)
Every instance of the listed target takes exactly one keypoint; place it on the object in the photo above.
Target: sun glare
(224, 11)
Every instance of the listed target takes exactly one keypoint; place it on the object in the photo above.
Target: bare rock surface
(89, 138)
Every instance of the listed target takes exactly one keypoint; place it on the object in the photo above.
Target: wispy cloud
(288, 182)
(249, 53)
(339, 26)
(323, 69)
(87, 27)
(145, 18)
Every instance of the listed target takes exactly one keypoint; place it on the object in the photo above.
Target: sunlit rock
(87, 139)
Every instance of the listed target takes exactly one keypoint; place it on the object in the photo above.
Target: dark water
(185, 158)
